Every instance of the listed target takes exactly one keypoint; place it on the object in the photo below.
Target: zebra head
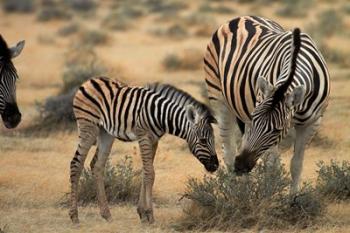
(273, 114)
(9, 111)
(270, 122)
(201, 137)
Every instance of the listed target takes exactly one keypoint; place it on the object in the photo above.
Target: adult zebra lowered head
(9, 111)
(272, 117)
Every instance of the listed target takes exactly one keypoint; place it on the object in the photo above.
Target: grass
(21, 6)
(261, 199)
(329, 23)
(82, 5)
(333, 180)
(94, 37)
(122, 184)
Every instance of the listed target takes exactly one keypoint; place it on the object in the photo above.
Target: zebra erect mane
(180, 97)
(5, 53)
(295, 48)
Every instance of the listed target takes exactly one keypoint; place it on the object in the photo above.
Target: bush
(24, 6)
(53, 10)
(68, 29)
(175, 31)
(229, 202)
(156, 6)
(191, 59)
(294, 8)
(206, 7)
(336, 56)
(333, 180)
(80, 66)
(82, 5)
(94, 37)
(122, 184)
(329, 22)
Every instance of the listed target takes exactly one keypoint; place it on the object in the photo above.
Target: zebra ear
(191, 114)
(17, 49)
(265, 86)
(296, 96)
(212, 120)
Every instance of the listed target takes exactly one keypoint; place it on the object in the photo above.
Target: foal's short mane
(178, 96)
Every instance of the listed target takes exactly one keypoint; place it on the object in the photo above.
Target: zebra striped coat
(9, 111)
(247, 62)
(106, 109)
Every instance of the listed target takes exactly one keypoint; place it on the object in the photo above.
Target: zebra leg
(229, 134)
(87, 137)
(148, 147)
(94, 160)
(105, 142)
(303, 136)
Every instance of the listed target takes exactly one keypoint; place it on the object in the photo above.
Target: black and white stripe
(8, 76)
(110, 109)
(266, 79)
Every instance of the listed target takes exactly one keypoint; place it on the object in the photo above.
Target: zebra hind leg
(87, 137)
(98, 163)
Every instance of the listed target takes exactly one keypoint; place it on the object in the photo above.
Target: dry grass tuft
(22, 6)
(53, 10)
(260, 199)
(333, 180)
(122, 184)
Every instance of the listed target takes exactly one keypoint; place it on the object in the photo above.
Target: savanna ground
(34, 172)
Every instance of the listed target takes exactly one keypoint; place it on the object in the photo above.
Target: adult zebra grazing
(8, 75)
(106, 109)
(268, 79)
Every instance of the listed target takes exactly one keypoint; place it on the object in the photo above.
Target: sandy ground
(34, 172)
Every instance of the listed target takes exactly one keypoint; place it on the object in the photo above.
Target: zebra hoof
(146, 216)
(107, 216)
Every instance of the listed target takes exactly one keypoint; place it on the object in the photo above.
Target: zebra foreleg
(229, 134)
(302, 138)
(87, 137)
(105, 143)
(148, 147)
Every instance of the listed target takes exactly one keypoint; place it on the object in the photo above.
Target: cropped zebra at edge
(266, 80)
(9, 111)
(106, 109)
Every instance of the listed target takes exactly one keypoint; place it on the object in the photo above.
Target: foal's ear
(265, 87)
(17, 49)
(296, 96)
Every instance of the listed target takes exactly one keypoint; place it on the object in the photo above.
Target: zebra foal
(9, 111)
(106, 109)
(266, 80)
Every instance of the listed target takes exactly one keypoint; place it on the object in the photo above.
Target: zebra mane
(296, 43)
(181, 97)
(4, 50)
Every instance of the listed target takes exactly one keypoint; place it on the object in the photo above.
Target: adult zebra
(267, 80)
(106, 109)
(9, 111)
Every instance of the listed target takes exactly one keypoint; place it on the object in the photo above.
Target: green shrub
(329, 22)
(336, 56)
(229, 202)
(68, 29)
(81, 65)
(157, 6)
(207, 8)
(294, 8)
(122, 184)
(94, 37)
(82, 5)
(333, 180)
(52, 10)
(24, 6)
